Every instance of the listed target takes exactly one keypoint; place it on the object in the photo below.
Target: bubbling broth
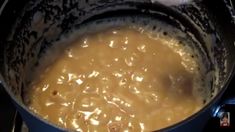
(118, 79)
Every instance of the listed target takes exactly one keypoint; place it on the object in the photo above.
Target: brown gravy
(119, 79)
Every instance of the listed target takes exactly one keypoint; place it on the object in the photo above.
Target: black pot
(30, 27)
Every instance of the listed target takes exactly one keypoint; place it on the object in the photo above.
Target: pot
(30, 27)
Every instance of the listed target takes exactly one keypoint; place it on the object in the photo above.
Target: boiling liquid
(118, 79)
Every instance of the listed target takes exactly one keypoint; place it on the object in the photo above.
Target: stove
(10, 120)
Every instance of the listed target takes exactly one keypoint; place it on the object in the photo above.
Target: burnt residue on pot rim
(43, 22)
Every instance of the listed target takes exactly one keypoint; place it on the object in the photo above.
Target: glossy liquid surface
(116, 80)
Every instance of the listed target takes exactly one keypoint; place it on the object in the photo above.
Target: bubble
(54, 93)
(142, 48)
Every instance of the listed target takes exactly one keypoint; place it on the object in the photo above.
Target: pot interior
(43, 23)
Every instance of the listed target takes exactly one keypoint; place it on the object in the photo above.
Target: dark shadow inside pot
(43, 23)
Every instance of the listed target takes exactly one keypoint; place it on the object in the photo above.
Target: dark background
(8, 112)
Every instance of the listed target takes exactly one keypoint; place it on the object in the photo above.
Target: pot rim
(173, 126)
